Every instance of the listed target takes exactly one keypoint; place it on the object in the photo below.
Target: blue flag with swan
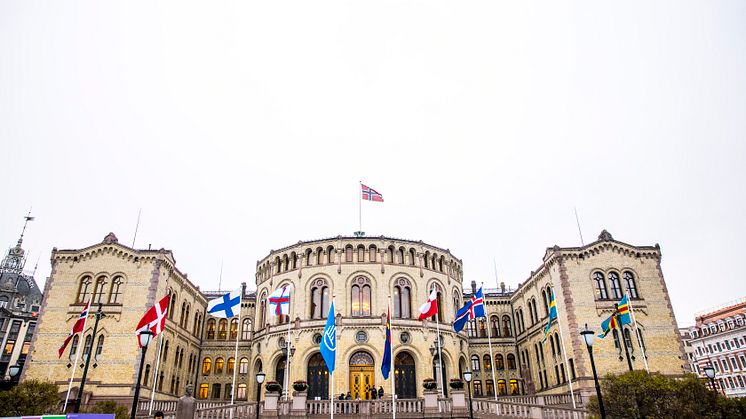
(328, 345)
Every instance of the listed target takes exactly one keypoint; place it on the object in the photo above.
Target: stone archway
(362, 375)
(317, 376)
(405, 375)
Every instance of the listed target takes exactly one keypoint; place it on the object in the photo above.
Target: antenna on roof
(578, 223)
(220, 278)
(136, 227)
(33, 274)
(28, 218)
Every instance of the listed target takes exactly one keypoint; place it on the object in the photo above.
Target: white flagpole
(360, 205)
(392, 372)
(441, 364)
(155, 376)
(287, 347)
(81, 344)
(489, 343)
(637, 332)
(235, 355)
(331, 392)
(564, 352)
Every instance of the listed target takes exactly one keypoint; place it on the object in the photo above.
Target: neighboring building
(362, 275)
(686, 339)
(20, 299)
(718, 338)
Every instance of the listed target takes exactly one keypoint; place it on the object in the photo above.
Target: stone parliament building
(361, 274)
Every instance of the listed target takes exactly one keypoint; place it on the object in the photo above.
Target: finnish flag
(226, 306)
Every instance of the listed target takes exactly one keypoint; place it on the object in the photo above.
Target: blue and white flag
(328, 345)
(226, 306)
(471, 310)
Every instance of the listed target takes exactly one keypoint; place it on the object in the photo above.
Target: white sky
(239, 127)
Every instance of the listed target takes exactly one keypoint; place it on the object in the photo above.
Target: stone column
(270, 404)
(298, 407)
(458, 403)
(431, 402)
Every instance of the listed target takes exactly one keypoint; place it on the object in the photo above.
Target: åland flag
(328, 345)
(386, 364)
(552, 313)
(608, 324)
(623, 309)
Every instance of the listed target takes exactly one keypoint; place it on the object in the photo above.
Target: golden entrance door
(361, 381)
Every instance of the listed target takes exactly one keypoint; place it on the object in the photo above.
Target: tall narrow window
(402, 300)
(361, 297)
(87, 345)
(401, 256)
(99, 292)
(511, 361)
(506, 327)
(246, 329)
(231, 365)
(74, 347)
(172, 304)
(234, 329)
(115, 296)
(475, 363)
(356, 301)
(348, 253)
(84, 289)
(211, 329)
(499, 362)
(494, 324)
(99, 348)
(629, 280)
(600, 285)
(373, 252)
(546, 302)
(243, 366)
(616, 286)
(223, 329)
(219, 365)
(487, 363)
(412, 257)
(330, 254)
(361, 253)
(319, 292)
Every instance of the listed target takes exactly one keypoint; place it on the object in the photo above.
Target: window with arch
(172, 304)
(373, 252)
(402, 299)
(330, 254)
(600, 286)
(628, 340)
(186, 317)
(390, 254)
(401, 256)
(557, 342)
(487, 362)
(427, 260)
(629, 280)
(99, 348)
(495, 326)
(412, 257)
(348, 253)
(511, 361)
(223, 329)
(74, 347)
(319, 299)
(471, 329)
(361, 253)
(361, 301)
(482, 324)
(241, 392)
(183, 313)
(211, 329)
(243, 366)
(231, 365)
(475, 363)
(219, 363)
(551, 343)
(100, 290)
(204, 388)
(506, 326)
(545, 300)
(84, 289)
(206, 366)
(234, 329)
(87, 345)
(262, 311)
(246, 329)
(319, 256)
(499, 362)
(146, 376)
(309, 254)
(642, 344)
(439, 299)
(115, 294)
(616, 286)
(165, 352)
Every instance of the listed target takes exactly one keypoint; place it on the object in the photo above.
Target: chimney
(502, 287)
(473, 287)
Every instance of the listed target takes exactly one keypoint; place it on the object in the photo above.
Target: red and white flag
(154, 319)
(430, 308)
(369, 194)
(77, 328)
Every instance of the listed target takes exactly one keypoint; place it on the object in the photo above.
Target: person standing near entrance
(380, 392)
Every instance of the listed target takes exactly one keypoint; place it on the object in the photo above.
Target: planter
(456, 384)
(300, 386)
(273, 386)
(429, 384)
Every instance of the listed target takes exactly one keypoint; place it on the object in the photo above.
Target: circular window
(405, 337)
(281, 343)
(361, 337)
(317, 338)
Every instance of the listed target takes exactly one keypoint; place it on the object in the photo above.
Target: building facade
(718, 339)
(362, 277)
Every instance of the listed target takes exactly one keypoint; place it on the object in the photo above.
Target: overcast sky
(241, 127)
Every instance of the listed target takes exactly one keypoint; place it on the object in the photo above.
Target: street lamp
(467, 378)
(710, 373)
(145, 337)
(14, 370)
(588, 336)
(259, 380)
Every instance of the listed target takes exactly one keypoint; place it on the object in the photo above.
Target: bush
(108, 406)
(30, 398)
(637, 394)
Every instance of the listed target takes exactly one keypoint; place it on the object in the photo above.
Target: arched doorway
(443, 373)
(362, 377)
(405, 376)
(280, 371)
(318, 378)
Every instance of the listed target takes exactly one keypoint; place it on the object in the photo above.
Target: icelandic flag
(328, 345)
(279, 301)
(369, 194)
(462, 316)
(552, 313)
(471, 310)
(386, 364)
(226, 306)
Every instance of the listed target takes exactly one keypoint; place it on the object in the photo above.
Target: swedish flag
(552, 313)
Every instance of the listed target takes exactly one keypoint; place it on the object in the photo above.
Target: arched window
(440, 264)
(243, 366)
(642, 344)
(206, 366)
(628, 340)
(373, 252)
(402, 299)
(412, 257)
(172, 304)
(506, 327)
(494, 324)
(241, 392)
(99, 348)
(600, 286)
(186, 317)
(234, 329)
(211, 329)
(557, 342)
(471, 329)
(146, 376)
(617, 344)
(219, 363)
(74, 347)
(183, 312)
(551, 342)
(204, 389)
(246, 329)
(231, 365)
(629, 280)
(401, 256)
(427, 260)
(348, 253)
(309, 253)
(330, 254)
(511, 361)
(616, 286)
(390, 254)
(487, 363)
(87, 346)
(361, 253)
(319, 299)
(115, 294)
(500, 362)
(223, 329)
(546, 302)
(99, 292)
(361, 297)
(164, 357)
(319, 256)
(440, 313)
(262, 311)
(482, 323)
(475, 363)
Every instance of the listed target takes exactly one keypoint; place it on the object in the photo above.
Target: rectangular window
(477, 388)
(9, 345)
(733, 364)
(743, 362)
(572, 368)
(216, 391)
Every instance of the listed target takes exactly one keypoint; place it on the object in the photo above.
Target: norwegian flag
(154, 319)
(77, 328)
(369, 194)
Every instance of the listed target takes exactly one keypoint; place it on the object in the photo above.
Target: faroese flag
(552, 313)
(328, 345)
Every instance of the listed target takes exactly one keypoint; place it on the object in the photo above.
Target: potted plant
(272, 386)
(429, 384)
(457, 383)
(300, 385)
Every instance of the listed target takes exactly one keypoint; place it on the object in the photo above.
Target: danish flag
(77, 328)
(154, 319)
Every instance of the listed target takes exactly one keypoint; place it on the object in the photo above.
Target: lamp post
(710, 373)
(467, 378)
(259, 380)
(588, 336)
(145, 337)
(14, 370)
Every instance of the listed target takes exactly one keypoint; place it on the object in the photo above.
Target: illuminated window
(206, 367)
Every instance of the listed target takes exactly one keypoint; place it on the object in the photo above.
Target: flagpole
(440, 354)
(489, 343)
(360, 207)
(77, 351)
(331, 392)
(155, 375)
(392, 371)
(637, 332)
(287, 348)
(562, 342)
(235, 356)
